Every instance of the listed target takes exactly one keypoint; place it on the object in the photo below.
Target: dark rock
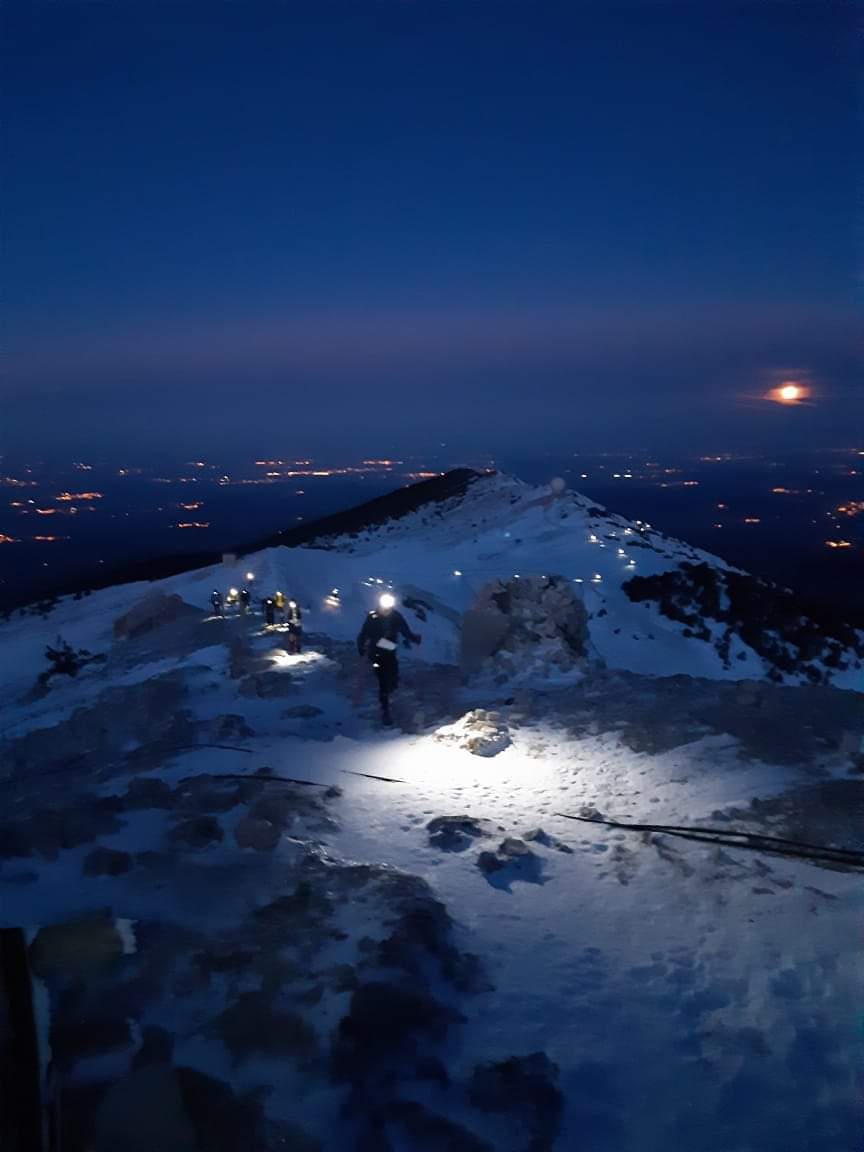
(226, 1122)
(73, 1040)
(210, 794)
(513, 861)
(526, 1088)
(302, 712)
(142, 1112)
(426, 1131)
(228, 960)
(251, 1025)
(431, 1068)
(261, 835)
(385, 1023)
(14, 842)
(106, 862)
(233, 727)
(420, 943)
(148, 792)
(343, 977)
(455, 833)
(157, 1046)
(75, 950)
(51, 830)
(537, 835)
(199, 832)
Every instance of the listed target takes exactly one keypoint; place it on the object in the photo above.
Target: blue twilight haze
(293, 225)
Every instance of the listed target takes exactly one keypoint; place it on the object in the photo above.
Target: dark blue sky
(310, 224)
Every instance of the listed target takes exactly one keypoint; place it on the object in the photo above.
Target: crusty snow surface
(693, 998)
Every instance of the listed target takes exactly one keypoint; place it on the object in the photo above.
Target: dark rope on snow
(755, 841)
(263, 779)
(370, 776)
(221, 747)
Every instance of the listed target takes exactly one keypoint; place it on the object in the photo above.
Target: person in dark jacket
(245, 600)
(216, 601)
(269, 612)
(294, 620)
(378, 641)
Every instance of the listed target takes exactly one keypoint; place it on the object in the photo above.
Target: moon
(789, 392)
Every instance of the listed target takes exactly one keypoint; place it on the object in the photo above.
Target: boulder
(302, 712)
(384, 1023)
(148, 792)
(525, 1088)
(262, 835)
(456, 833)
(513, 860)
(538, 836)
(77, 949)
(426, 1131)
(144, 1111)
(155, 611)
(250, 1026)
(199, 832)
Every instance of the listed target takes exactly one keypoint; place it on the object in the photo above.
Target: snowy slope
(443, 553)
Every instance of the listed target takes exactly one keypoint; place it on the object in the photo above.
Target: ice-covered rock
(480, 732)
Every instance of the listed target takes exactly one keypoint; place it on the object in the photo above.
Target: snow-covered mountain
(657, 606)
(267, 923)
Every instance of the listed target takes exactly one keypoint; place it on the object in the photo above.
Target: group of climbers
(377, 642)
(276, 610)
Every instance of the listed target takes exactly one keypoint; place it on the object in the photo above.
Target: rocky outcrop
(531, 625)
(524, 1088)
(721, 607)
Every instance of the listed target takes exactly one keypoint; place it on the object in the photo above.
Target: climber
(377, 641)
(279, 601)
(269, 612)
(294, 620)
(216, 601)
(244, 600)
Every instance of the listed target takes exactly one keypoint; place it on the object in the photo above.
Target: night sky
(308, 226)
